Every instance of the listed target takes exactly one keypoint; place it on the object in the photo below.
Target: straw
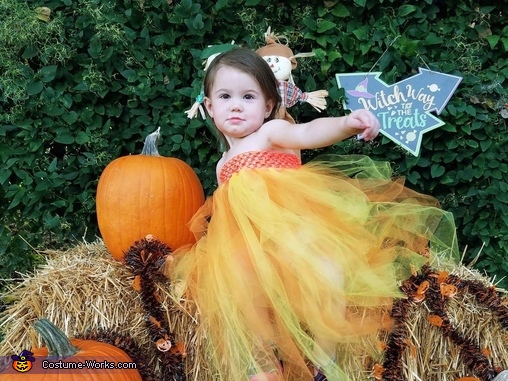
(84, 289)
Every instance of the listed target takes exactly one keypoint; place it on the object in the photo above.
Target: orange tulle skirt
(291, 256)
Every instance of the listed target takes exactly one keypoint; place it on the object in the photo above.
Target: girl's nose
(236, 106)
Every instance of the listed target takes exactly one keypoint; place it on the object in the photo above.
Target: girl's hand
(365, 122)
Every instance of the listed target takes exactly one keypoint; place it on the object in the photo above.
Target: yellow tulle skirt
(291, 256)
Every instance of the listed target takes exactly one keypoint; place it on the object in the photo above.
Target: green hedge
(87, 85)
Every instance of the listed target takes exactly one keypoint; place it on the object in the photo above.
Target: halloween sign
(404, 109)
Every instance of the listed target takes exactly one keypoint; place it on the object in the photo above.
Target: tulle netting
(289, 256)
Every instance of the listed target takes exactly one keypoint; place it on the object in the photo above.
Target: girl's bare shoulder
(219, 165)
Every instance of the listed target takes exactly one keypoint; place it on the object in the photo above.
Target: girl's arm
(321, 132)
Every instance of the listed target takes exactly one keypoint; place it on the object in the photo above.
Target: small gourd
(58, 360)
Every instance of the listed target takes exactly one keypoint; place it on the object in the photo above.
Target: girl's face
(236, 103)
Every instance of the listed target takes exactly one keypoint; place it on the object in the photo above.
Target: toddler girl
(293, 259)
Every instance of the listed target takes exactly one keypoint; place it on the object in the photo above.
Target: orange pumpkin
(60, 359)
(147, 194)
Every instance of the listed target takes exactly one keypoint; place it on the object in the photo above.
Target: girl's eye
(224, 96)
(249, 96)
(277, 59)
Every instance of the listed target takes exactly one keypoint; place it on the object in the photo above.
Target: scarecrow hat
(273, 48)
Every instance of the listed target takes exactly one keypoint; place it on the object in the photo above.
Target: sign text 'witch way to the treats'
(405, 108)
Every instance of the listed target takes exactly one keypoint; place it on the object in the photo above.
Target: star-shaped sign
(405, 108)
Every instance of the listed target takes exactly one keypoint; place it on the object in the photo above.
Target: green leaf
(4, 175)
(34, 88)
(504, 40)
(64, 137)
(310, 83)
(70, 117)
(95, 49)
(82, 137)
(197, 23)
(479, 161)
(322, 40)
(220, 4)
(29, 52)
(493, 40)
(144, 119)
(503, 197)
(80, 87)
(448, 180)
(410, 47)
(129, 74)
(53, 110)
(349, 58)
(449, 156)
(365, 47)
(160, 103)
(17, 199)
(449, 127)
(333, 55)
(433, 39)
(360, 3)
(325, 25)
(361, 34)
(48, 73)
(52, 165)
(485, 145)
(437, 171)
(487, 9)
(471, 110)
(406, 10)
(386, 60)
(51, 222)
(451, 109)
(177, 138)
(311, 24)
(186, 147)
(340, 10)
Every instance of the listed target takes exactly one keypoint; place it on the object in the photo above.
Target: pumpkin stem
(55, 340)
(150, 147)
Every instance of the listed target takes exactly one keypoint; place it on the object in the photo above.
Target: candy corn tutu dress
(321, 247)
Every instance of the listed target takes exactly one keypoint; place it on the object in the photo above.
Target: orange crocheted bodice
(258, 159)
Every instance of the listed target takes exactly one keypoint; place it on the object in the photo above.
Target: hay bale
(473, 340)
(84, 288)
(79, 289)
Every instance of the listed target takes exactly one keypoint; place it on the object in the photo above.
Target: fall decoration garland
(126, 344)
(144, 259)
